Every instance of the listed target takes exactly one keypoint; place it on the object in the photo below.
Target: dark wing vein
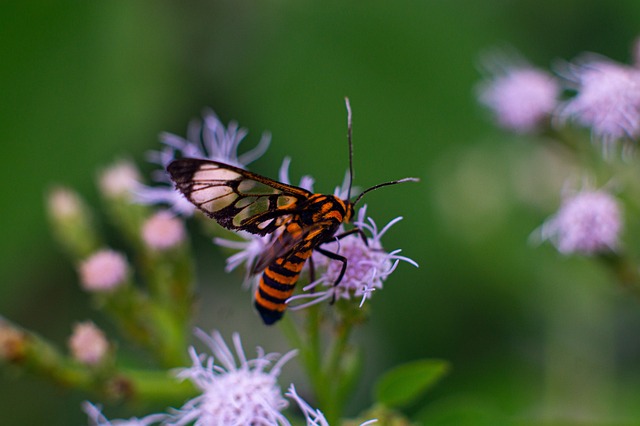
(237, 199)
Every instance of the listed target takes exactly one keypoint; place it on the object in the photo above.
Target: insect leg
(351, 232)
(358, 231)
(335, 256)
(312, 272)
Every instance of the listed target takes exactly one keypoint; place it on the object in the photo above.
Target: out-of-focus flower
(105, 270)
(520, 96)
(96, 418)
(88, 343)
(63, 203)
(607, 99)
(12, 342)
(163, 230)
(235, 390)
(208, 139)
(368, 265)
(120, 179)
(588, 222)
(71, 221)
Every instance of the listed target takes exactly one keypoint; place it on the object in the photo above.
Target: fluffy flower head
(163, 230)
(88, 343)
(64, 203)
(235, 390)
(607, 99)
(519, 95)
(588, 222)
(103, 271)
(121, 179)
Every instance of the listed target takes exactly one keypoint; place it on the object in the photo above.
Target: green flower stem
(170, 278)
(35, 355)
(308, 344)
(156, 386)
(312, 353)
(128, 217)
(625, 271)
(149, 324)
(332, 372)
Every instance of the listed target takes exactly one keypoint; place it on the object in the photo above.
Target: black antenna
(380, 185)
(346, 101)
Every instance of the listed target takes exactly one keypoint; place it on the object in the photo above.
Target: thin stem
(313, 350)
(625, 271)
(36, 355)
(156, 385)
(333, 372)
(149, 324)
(308, 345)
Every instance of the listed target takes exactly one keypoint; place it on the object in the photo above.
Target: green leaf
(405, 383)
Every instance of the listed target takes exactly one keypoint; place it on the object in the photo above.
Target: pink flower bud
(105, 270)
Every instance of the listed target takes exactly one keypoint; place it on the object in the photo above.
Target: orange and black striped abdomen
(277, 283)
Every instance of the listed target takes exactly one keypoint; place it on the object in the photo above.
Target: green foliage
(461, 412)
(405, 383)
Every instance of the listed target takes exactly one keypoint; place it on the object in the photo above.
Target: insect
(240, 200)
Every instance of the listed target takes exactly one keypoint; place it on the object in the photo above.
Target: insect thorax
(328, 210)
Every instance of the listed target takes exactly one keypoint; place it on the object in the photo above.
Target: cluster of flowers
(594, 92)
(233, 390)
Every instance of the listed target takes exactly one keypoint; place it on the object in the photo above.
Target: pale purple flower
(520, 96)
(163, 231)
(235, 390)
(368, 265)
(96, 418)
(607, 99)
(105, 270)
(587, 222)
(312, 416)
(207, 139)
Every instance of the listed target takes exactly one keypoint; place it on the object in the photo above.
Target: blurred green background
(534, 338)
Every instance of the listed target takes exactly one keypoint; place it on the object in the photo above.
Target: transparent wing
(237, 199)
